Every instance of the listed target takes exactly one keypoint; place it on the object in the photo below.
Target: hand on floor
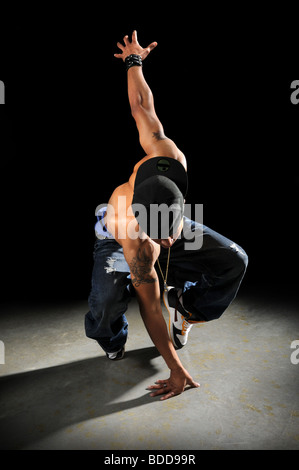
(178, 381)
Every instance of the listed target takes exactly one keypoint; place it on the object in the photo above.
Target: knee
(240, 260)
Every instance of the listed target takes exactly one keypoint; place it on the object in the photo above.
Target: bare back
(119, 218)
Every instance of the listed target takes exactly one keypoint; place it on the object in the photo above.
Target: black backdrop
(222, 92)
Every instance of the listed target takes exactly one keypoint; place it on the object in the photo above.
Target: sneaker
(116, 356)
(178, 326)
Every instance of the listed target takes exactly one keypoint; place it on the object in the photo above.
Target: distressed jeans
(209, 277)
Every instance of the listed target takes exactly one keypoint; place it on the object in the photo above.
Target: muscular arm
(151, 133)
(145, 281)
(146, 284)
(141, 100)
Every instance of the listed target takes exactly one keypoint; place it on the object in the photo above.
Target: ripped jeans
(209, 277)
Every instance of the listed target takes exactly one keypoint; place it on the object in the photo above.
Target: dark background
(222, 92)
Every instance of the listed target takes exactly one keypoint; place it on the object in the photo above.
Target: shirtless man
(205, 281)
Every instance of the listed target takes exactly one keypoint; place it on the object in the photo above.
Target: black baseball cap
(163, 166)
(158, 202)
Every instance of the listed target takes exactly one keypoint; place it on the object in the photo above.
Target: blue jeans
(209, 276)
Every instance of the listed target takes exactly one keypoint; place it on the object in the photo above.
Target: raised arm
(151, 132)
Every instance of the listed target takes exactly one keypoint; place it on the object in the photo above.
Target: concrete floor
(59, 391)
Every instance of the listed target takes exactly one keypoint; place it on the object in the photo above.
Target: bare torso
(119, 218)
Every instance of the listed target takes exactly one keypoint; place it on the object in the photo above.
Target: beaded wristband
(133, 60)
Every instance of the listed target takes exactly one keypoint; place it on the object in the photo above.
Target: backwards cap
(163, 182)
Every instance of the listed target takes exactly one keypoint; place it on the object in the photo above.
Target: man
(131, 250)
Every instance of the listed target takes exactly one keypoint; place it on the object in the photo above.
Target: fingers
(126, 41)
(134, 46)
(162, 381)
(148, 49)
(134, 37)
(152, 46)
(193, 384)
(169, 395)
(162, 387)
(135, 41)
(121, 47)
(165, 388)
(162, 390)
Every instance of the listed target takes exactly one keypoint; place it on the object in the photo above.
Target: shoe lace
(185, 326)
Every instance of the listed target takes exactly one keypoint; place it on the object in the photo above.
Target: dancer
(138, 253)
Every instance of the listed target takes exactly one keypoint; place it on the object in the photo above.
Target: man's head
(158, 200)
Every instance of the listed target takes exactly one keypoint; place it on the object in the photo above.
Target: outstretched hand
(133, 48)
(178, 381)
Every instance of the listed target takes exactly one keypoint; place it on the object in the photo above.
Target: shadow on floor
(37, 403)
